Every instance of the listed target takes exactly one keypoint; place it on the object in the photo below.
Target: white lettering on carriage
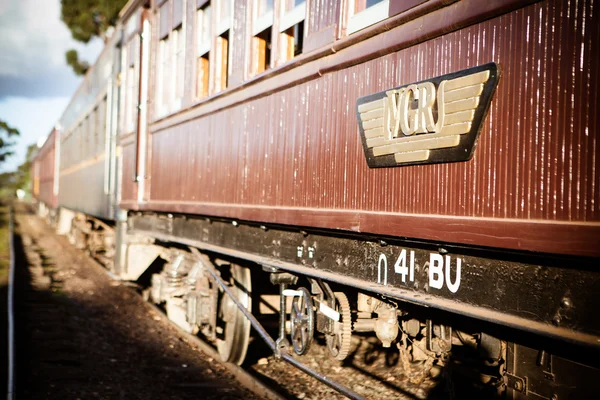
(439, 270)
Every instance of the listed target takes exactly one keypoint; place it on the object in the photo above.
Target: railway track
(70, 291)
(81, 335)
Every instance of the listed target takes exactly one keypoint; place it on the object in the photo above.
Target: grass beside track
(4, 245)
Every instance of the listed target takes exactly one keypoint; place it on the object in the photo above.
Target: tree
(87, 19)
(79, 67)
(19, 179)
(6, 133)
(23, 173)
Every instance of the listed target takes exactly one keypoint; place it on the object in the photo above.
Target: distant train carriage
(424, 170)
(84, 171)
(87, 170)
(44, 179)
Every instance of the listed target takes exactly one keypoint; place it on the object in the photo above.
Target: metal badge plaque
(432, 121)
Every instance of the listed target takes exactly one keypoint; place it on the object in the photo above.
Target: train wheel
(339, 342)
(302, 322)
(233, 331)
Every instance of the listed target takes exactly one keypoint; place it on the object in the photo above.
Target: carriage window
(131, 78)
(261, 52)
(129, 103)
(162, 71)
(91, 142)
(171, 57)
(162, 65)
(79, 140)
(222, 67)
(364, 13)
(179, 67)
(178, 39)
(361, 5)
(222, 52)
(85, 138)
(224, 15)
(101, 126)
(203, 36)
(293, 13)
(64, 146)
(262, 22)
(293, 40)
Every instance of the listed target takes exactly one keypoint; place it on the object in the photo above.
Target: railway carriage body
(44, 179)
(82, 176)
(87, 177)
(440, 153)
(282, 147)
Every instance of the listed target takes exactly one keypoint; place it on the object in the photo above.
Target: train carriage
(87, 173)
(83, 174)
(44, 180)
(423, 170)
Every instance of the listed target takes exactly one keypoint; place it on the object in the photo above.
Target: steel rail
(246, 379)
(266, 337)
(10, 387)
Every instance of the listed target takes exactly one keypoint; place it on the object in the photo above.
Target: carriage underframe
(492, 295)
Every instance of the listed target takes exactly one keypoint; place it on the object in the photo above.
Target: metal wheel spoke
(302, 321)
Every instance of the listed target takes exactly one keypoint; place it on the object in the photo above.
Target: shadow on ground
(96, 345)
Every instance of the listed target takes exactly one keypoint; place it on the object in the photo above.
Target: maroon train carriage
(44, 179)
(424, 170)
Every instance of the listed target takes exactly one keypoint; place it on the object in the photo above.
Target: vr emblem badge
(433, 121)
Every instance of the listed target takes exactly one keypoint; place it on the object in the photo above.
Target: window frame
(367, 17)
(216, 80)
(263, 22)
(131, 75)
(288, 20)
(171, 60)
(260, 24)
(220, 26)
(203, 48)
(162, 64)
(178, 58)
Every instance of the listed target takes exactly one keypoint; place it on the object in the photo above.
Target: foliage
(19, 179)
(87, 19)
(7, 185)
(6, 133)
(23, 173)
(4, 248)
(90, 18)
(79, 67)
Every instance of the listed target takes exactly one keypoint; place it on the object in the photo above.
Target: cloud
(32, 50)
(54, 82)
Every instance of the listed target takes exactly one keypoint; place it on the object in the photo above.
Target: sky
(36, 84)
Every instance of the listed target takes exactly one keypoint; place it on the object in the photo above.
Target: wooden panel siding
(294, 156)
